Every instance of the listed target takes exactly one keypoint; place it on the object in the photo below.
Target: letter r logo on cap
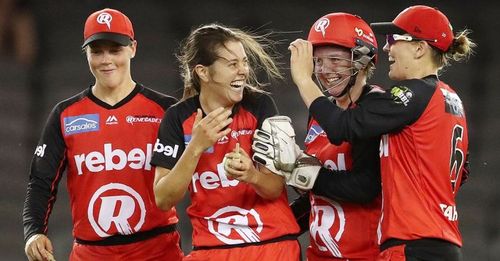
(105, 18)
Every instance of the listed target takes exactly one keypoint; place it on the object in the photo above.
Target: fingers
(199, 116)
(300, 47)
(216, 118)
(223, 133)
(207, 130)
(234, 161)
(39, 247)
(48, 251)
(220, 121)
(294, 45)
(36, 251)
(34, 246)
(244, 153)
(48, 255)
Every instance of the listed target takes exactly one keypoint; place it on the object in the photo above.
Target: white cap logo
(321, 25)
(105, 18)
(358, 31)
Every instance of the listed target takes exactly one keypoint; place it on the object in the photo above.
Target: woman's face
(109, 62)
(333, 68)
(401, 59)
(227, 76)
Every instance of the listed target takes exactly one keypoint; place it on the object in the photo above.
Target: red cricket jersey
(106, 151)
(421, 171)
(337, 228)
(224, 211)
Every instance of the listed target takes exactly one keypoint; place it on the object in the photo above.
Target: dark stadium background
(27, 93)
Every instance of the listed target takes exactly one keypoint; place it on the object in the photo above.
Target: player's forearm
(171, 187)
(360, 186)
(36, 206)
(268, 185)
(301, 208)
(309, 91)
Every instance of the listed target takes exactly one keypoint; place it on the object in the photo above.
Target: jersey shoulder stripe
(165, 101)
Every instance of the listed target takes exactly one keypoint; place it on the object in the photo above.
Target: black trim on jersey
(129, 239)
(362, 183)
(376, 114)
(171, 127)
(426, 249)
(129, 97)
(46, 172)
(301, 208)
(165, 101)
(260, 105)
(288, 237)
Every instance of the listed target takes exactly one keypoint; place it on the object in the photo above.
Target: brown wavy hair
(200, 48)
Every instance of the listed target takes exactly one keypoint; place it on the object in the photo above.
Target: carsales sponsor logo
(142, 119)
(116, 208)
(81, 123)
(231, 225)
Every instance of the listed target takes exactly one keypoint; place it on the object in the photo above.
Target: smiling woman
(113, 212)
(109, 62)
(423, 127)
(238, 211)
(226, 76)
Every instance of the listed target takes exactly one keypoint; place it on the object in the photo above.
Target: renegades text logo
(231, 225)
(116, 208)
(114, 159)
(142, 119)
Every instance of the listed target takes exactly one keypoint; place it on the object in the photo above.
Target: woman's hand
(206, 131)
(238, 165)
(301, 67)
(301, 61)
(39, 248)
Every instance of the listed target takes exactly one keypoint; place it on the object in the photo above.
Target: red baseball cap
(423, 22)
(108, 24)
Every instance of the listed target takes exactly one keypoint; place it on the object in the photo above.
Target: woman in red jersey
(345, 199)
(238, 211)
(103, 137)
(424, 154)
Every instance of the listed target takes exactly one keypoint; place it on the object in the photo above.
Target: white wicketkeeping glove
(305, 172)
(274, 145)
